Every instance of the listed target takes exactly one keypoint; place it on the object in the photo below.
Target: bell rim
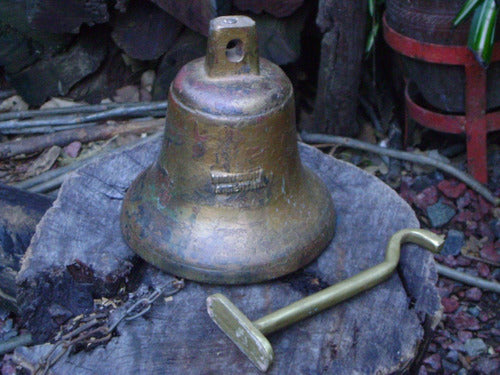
(301, 255)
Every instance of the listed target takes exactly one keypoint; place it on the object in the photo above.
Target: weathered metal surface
(228, 200)
(249, 336)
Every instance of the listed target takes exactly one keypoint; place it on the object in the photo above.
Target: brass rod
(343, 290)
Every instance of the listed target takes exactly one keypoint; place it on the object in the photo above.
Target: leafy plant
(375, 10)
(482, 28)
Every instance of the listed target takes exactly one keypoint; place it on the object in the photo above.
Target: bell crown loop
(231, 80)
(232, 47)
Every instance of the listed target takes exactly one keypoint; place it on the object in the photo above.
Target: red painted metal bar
(476, 123)
(431, 52)
(454, 124)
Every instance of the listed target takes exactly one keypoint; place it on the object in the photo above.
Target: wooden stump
(380, 331)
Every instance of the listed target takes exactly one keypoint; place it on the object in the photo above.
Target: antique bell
(228, 200)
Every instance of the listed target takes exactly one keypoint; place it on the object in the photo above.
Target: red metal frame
(476, 123)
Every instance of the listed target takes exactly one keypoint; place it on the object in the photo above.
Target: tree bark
(343, 23)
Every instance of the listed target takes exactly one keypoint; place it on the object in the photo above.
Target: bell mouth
(227, 245)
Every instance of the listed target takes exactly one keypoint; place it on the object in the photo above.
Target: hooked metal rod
(343, 290)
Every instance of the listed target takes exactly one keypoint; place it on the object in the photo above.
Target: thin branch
(10, 344)
(93, 108)
(467, 279)
(87, 134)
(4, 94)
(140, 110)
(408, 156)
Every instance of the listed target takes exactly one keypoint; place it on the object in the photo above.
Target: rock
(464, 200)
(440, 214)
(463, 216)
(422, 182)
(454, 242)
(147, 80)
(483, 270)
(14, 103)
(485, 231)
(488, 365)
(452, 188)
(128, 93)
(434, 361)
(73, 149)
(462, 320)
(449, 304)
(462, 372)
(491, 252)
(495, 228)
(473, 294)
(59, 103)
(426, 197)
(450, 367)
(474, 311)
(452, 356)
(475, 347)
(464, 335)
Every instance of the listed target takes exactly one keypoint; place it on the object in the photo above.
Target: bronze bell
(228, 200)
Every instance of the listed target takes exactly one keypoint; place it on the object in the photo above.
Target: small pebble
(425, 198)
(462, 320)
(482, 269)
(452, 189)
(452, 356)
(454, 242)
(440, 214)
(475, 347)
(451, 367)
(473, 294)
(449, 304)
(495, 227)
(474, 311)
(490, 253)
(434, 361)
(73, 149)
(464, 200)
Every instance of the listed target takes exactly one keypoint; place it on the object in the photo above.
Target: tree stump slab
(381, 331)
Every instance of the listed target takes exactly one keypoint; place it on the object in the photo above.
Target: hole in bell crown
(228, 199)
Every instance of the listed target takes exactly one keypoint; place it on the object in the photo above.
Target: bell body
(228, 200)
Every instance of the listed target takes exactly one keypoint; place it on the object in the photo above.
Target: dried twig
(139, 110)
(408, 156)
(87, 134)
(467, 279)
(11, 344)
(4, 94)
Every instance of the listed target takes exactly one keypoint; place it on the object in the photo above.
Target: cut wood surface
(78, 248)
(145, 31)
(55, 75)
(277, 8)
(20, 212)
(195, 14)
(65, 16)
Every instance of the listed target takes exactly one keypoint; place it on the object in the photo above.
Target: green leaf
(482, 31)
(371, 7)
(465, 11)
(370, 39)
